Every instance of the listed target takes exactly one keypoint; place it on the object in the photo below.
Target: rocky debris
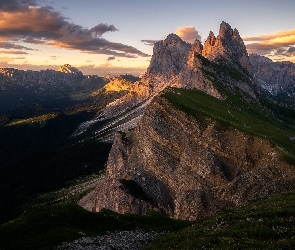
(275, 79)
(68, 193)
(123, 240)
(228, 47)
(189, 168)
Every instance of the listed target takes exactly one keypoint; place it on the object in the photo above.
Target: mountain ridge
(204, 154)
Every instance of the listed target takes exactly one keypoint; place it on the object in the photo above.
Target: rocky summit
(228, 47)
(194, 152)
(176, 63)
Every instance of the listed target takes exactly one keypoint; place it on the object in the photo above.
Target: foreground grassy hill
(263, 224)
(46, 226)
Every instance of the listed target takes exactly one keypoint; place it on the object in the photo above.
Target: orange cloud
(188, 34)
(266, 37)
(276, 44)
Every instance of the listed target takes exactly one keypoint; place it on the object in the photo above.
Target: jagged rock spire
(228, 46)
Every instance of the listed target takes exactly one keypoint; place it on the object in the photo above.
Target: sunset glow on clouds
(42, 25)
(100, 36)
(24, 25)
(188, 34)
(277, 46)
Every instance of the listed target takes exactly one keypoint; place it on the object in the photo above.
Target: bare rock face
(228, 46)
(274, 79)
(188, 168)
(196, 49)
(175, 64)
(68, 69)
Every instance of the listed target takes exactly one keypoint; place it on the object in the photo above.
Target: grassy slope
(37, 156)
(236, 113)
(46, 226)
(263, 224)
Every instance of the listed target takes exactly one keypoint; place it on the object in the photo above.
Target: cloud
(8, 45)
(188, 34)
(291, 50)
(277, 44)
(149, 42)
(14, 52)
(111, 58)
(87, 69)
(16, 5)
(23, 21)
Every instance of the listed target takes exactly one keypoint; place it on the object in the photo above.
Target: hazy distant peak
(68, 69)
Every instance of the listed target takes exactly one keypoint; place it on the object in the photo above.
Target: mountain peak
(68, 69)
(228, 46)
(172, 37)
(165, 52)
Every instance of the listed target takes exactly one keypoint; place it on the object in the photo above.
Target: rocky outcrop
(176, 63)
(68, 69)
(276, 80)
(188, 168)
(228, 47)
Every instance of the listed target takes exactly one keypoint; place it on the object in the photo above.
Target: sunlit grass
(34, 120)
(236, 113)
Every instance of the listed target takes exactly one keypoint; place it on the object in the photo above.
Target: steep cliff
(227, 48)
(222, 61)
(274, 80)
(189, 164)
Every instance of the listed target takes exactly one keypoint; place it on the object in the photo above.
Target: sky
(116, 36)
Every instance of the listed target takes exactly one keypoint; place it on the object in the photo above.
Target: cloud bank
(23, 21)
(188, 34)
(281, 44)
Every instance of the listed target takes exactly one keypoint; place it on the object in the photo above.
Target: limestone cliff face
(188, 168)
(228, 47)
(176, 63)
(276, 80)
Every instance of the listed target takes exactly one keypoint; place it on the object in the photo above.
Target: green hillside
(46, 226)
(276, 124)
(263, 224)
